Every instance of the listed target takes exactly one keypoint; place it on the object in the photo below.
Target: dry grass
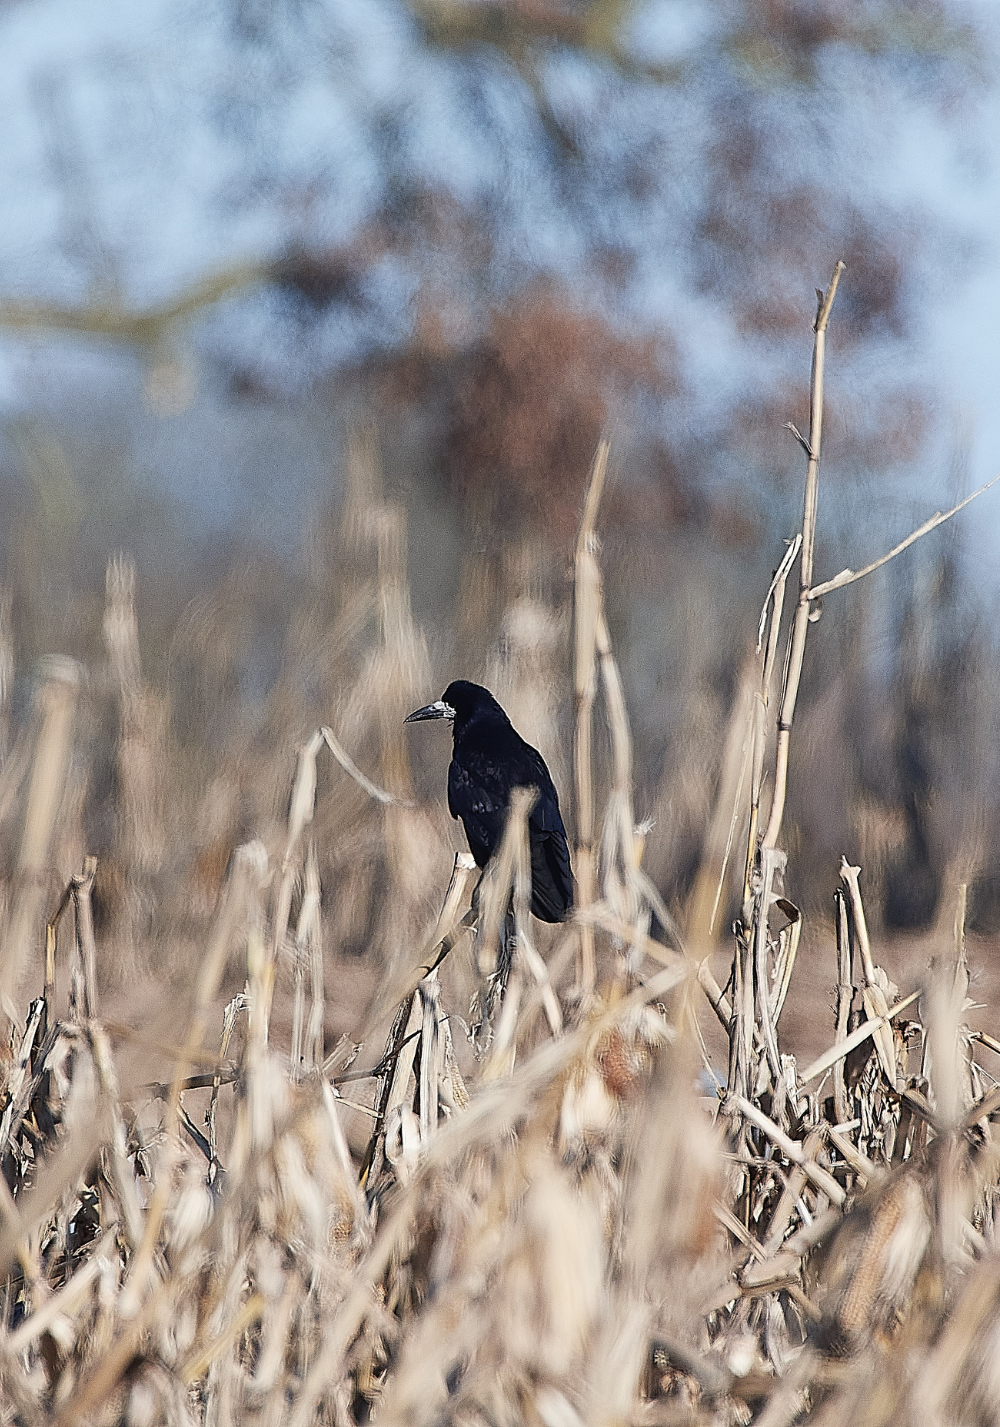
(568, 1226)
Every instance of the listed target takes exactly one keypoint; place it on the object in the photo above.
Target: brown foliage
(533, 399)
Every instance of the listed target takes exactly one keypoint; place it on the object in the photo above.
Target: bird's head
(459, 704)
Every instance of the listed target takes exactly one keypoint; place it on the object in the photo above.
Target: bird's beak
(439, 709)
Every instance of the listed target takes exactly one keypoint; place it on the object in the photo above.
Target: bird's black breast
(490, 759)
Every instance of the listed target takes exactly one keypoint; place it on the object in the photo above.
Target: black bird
(488, 761)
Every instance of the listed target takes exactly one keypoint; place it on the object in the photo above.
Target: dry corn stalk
(563, 1236)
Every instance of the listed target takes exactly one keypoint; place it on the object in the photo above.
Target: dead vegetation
(579, 1223)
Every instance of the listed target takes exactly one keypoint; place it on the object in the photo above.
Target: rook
(488, 761)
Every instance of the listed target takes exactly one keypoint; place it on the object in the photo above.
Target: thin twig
(848, 577)
(349, 766)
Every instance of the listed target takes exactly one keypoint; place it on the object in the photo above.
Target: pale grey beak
(439, 709)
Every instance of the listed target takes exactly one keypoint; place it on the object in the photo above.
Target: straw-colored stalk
(55, 701)
(559, 1240)
(6, 671)
(803, 609)
(140, 739)
(587, 617)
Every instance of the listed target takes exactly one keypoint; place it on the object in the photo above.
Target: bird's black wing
(551, 873)
(551, 877)
(479, 794)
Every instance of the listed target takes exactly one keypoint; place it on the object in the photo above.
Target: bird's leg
(505, 956)
(481, 1026)
(505, 960)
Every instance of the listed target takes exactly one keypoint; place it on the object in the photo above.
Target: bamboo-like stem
(82, 885)
(772, 862)
(56, 705)
(587, 611)
(431, 1055)
(502, 1051)
(298, 1010)
(742, 1024)
(233, 1009)
(872, 990)
(804, 607)
(788, 942)
(845, 995)
(139, 832)
(752, 1023)
(314, 1029)
(308, 945)
(301, 810)
(619, 855)
(776, 602)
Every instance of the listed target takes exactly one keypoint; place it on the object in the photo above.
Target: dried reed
(564, 1229)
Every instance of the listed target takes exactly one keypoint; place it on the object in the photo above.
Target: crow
(488, 761)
